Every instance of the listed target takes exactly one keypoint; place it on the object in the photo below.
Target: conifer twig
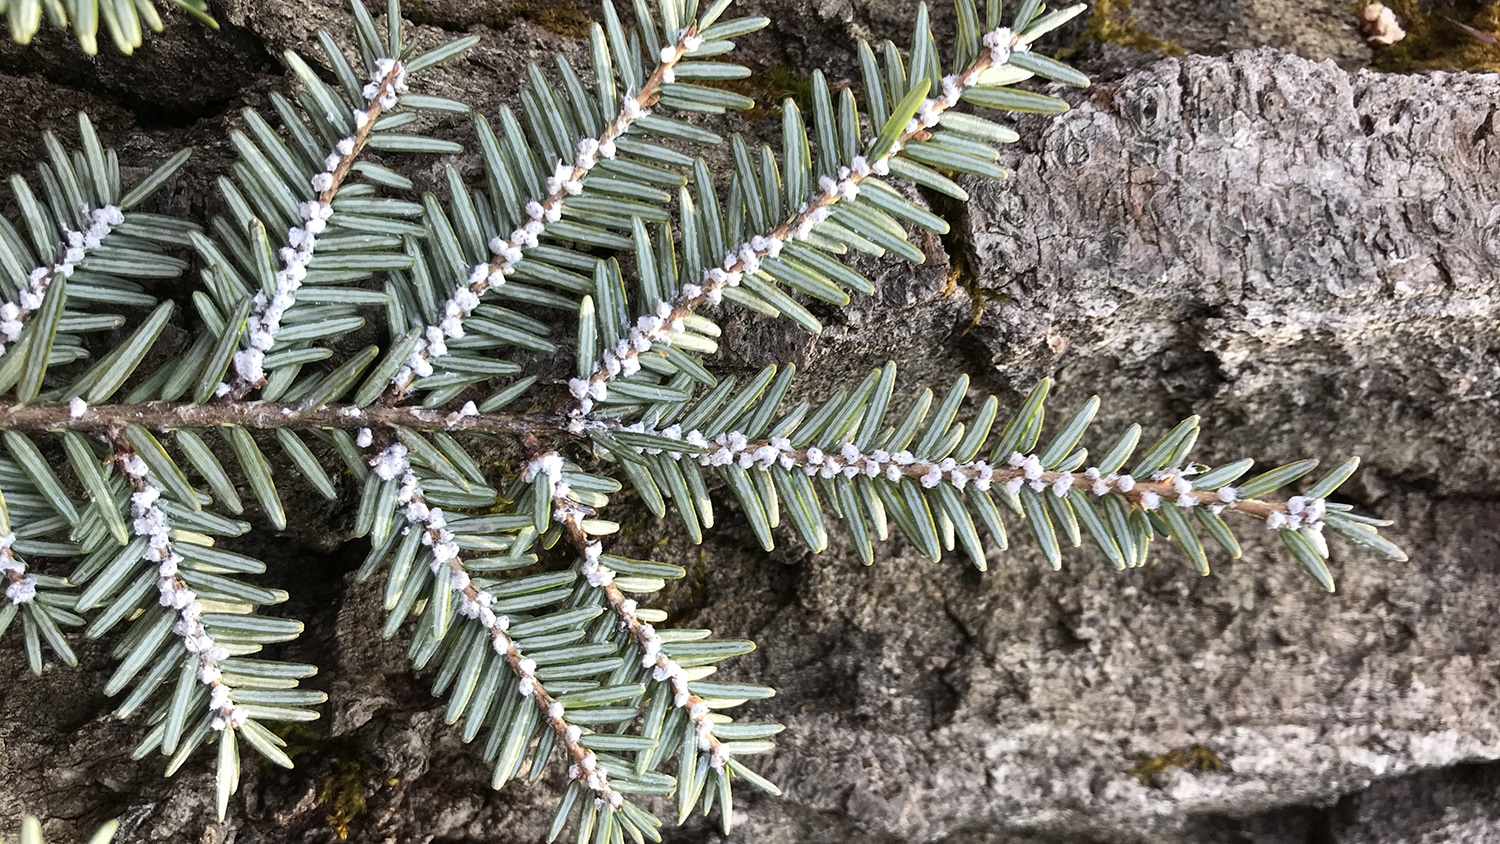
(508, 251)
(745, 259)
(569, 516)
(75, 248)
(386, 84)
(391, 464)
(1020, 470)
(550, 659)
(150, 521)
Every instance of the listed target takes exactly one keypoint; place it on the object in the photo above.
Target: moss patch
(1454, 37)
(1112, 22)
(769, 88)
(980, 297)
(342, 791)
(342, 794)
(1148, 769)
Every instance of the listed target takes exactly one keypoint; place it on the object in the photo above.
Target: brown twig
(164, 416)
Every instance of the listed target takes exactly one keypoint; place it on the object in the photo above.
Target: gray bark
(1304, 255)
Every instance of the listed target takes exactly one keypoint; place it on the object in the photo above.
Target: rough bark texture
(1305, 255)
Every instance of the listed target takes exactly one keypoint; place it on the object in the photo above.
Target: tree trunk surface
(1304, 254)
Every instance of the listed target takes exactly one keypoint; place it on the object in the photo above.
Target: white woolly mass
(549, 464)
(1301, 512)
(1001, 43)
(77, 245)
(597, 575)
(77, 407)
(22, 587)
(21, 591)
(952, 89)
(390, 463)
(383, 91)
